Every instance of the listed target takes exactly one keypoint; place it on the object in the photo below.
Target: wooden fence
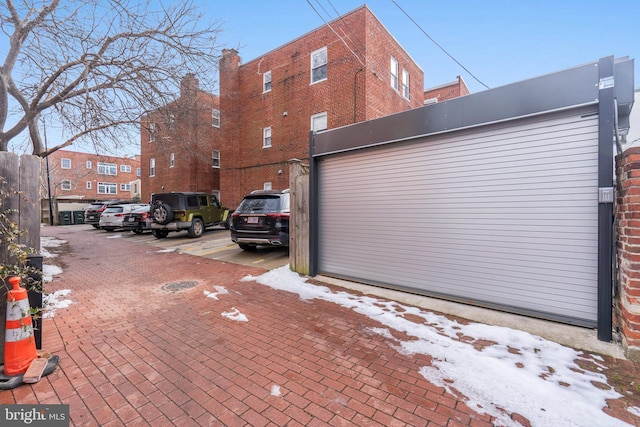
(20, 198)
(299, 219)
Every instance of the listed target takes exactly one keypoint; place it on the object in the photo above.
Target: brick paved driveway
(134, 352)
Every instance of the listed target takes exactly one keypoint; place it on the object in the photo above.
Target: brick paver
(134, 354)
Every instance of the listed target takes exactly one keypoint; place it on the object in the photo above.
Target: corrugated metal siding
(505, 215)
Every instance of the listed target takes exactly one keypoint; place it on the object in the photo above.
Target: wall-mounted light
(285, 114)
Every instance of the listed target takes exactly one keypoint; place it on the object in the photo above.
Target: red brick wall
(79, 174)
(449, 91)
(185, 129)
(628, 250)
(357, 88)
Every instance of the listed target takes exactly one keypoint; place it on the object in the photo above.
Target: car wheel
(197, 228)
(137, 231)
(246, 247)
(227, 223)
(108, 229)
(95, 225)
(160, 234)
(162, 213)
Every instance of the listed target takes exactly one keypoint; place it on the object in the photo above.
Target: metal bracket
(605, 195)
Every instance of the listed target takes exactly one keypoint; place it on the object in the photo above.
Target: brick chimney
(189, 86)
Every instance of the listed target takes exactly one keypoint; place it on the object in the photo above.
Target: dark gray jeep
(191, 211)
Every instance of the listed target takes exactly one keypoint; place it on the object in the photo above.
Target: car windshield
(114, 209)
(144, 208)
(262, 204)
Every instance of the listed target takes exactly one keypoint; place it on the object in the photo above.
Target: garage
(501, 199)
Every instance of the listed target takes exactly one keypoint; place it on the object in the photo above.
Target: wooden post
(299, 219)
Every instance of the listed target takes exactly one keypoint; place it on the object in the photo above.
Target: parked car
(191, 211)
(112, 217)
(92, 213)
(138, 220)
(261, 219)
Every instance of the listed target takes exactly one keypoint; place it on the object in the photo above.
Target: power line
(440, 47)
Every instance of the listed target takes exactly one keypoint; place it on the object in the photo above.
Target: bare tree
(96, 66)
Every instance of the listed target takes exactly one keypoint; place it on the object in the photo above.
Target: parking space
(214, 244)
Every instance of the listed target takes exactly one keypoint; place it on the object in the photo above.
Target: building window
(135, 188)
(215, 158)
(266, 137)
(215, 118)
(107, 168)
(319, 122)
(266, 186)
(319, 65)
(66, 185)
(266, 82)
(394, 73)
(152, 132)
(172, 121)
(152, 167)
(88, 185)
(125, 168)
(405, 83)
(88, 164)
(125, 187)
(107, 188)
(172, 160)
(138, 171)
(65, 163)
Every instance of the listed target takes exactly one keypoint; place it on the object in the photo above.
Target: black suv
(92, 213)
(189, 211)
(261, 219)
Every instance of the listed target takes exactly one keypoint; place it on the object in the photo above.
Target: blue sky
(498, 41)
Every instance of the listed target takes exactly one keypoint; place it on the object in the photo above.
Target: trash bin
(78, 217)
(65, 217)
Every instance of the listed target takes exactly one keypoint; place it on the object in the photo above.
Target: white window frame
(317, 120)
(267, 186)
(266, 137)
(107, 169)
(266, 82)
(88, 185)
(152, 132)
(65, 185)
(65, 163)
(215, 118)
(138, 171)
(319, 60)
(125, 168)
(405, 84)
(152, 166)
(125, 187)
(394, 73)
(215, 159)
(172, 121)
(107, 188)
(172, 160)
(88, 164)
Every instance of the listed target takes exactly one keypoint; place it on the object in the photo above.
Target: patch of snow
(275, 390)
(166, 250)
(235, 314)
(214, 295)
(53, 301)
(510, 371)
(48, 271)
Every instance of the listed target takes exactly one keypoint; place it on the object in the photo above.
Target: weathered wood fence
(20, 200)
(299, 220)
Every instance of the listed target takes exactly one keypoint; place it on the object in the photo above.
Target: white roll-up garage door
(505, 215)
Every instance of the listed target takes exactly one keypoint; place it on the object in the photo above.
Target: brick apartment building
(75, 175)
(348, 71)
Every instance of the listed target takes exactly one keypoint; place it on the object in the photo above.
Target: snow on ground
(214, 295)
(52, 301)
(514, 370)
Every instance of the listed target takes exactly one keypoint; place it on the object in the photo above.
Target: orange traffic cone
(20, 344)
